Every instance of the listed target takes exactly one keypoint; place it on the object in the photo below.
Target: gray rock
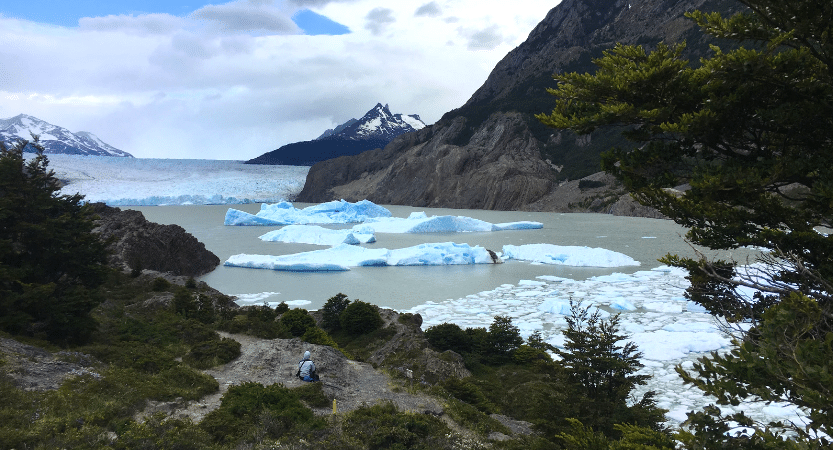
(138, 244)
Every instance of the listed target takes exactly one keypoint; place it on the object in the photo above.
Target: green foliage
(633, 437)
(751, 132)
(212, 353)
(502, 340)
(315, 335)
(297, 321)
(164, 433)
(331, 311)
(603, 373)
(246, 406)
(449, 336)
(466, 391)
(360, 318)
(160, 284)
(51, 264)
(381, 426)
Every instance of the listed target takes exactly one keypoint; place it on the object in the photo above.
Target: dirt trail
(349, 382)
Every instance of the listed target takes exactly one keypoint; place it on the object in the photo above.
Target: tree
(332, 310)
(360, 318)
(749, 133)
(297, 321)
(502, 339)
(51, 263)
(602, 369)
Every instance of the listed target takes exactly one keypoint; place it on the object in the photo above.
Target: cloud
(142, 25)
(249, 15)
(483, 39)
(379, 19)
(429, 10)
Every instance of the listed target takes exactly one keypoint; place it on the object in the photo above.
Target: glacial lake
(401, 288)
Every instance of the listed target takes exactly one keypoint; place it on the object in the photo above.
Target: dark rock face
(492, 153)
(139, 244)
(498, 169)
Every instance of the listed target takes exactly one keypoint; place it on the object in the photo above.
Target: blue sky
(235, 79)
(68, 13)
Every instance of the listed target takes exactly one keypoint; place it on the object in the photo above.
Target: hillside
(491, 153)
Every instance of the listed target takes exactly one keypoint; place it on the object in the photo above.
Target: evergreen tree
(749, 132)
(502, 340)
(602, 369)
(51, 263)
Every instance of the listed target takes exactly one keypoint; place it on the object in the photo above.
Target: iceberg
(343, 256)
(419, 222)
(283, 213)
(568, 255)
(313, 234)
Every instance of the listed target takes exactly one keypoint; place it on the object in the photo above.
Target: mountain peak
(55, 139)
(379, 123)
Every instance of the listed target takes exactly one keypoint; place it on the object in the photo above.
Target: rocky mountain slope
(375, 129)
(55, 139)
(492, 153)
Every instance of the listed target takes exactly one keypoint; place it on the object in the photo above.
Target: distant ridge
(55, 139)
(374, 130)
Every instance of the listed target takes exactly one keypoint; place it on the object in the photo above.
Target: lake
(401, 288)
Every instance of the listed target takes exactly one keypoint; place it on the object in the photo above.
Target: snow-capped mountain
(55, 139)
(374, 130)
(378, 123)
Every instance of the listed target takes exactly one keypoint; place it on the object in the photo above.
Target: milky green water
(401, 288)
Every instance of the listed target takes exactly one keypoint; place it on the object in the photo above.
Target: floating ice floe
(283, 213)
(568, 255)
(313, 234)
(666, 327)
(343, 256)
(419, 222)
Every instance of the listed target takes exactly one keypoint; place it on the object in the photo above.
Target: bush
(212, 353)
(468, 392)
(160, 284)
(449, 336)
(382, 426)
(297, 321)
(332, 310)
(275, 409)
(281, 308)
(360, 318)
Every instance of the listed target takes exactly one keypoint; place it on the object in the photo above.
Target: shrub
(449, 336)
(246, 406)
(468, 392)
(296, 321)
(360, 318)
(281, 308)
(382, 426)
(160, 284)
(183, 302)
(332, 310)
(212, 353)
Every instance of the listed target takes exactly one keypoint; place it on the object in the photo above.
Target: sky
(233, 80)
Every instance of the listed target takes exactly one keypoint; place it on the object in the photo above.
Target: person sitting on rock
(306, 369)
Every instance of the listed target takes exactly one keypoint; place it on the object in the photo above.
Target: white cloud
(429, 10)
(223, 86)
(143, 24)
(379, 19)
(247, 15)
(484, 39)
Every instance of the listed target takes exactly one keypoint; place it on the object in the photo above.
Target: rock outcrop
(492, 153)
(138, 244)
